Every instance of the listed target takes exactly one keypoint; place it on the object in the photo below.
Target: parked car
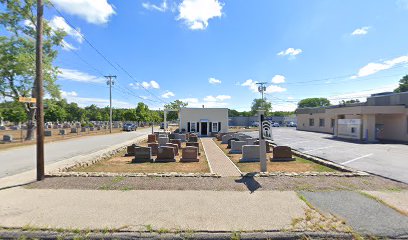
(291, 124)
(275, 124)
(129, 127)
(162, 125)
(255, 124)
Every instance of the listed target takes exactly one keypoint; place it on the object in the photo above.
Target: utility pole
(110, 82)
(39, 91)
(262, 142)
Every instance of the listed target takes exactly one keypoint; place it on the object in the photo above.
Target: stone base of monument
(250, 153)
(282, 159)
(142, 154)
(165, 154)
(282, 154)
(189, 154)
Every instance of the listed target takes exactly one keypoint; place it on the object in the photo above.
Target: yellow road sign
(27, 99)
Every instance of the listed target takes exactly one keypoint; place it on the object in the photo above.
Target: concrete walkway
(219, 162)
(135, 210)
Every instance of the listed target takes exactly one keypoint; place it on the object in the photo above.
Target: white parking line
(352, 160)
(317, 149)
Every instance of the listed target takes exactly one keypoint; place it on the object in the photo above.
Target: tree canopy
(403, 85)
(314, 102)
(175, 105)
(258, 103)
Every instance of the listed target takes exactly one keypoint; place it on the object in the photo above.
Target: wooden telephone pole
(39, 87)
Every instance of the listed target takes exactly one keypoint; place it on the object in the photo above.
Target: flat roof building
(204, 121)
(383, 116)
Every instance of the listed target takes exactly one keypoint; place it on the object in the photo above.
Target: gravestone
(98, 128)
(176, 141)
(182, 137)
(91, 129)
(165, 154)
(226, 138)
(7, 138)
(189, 154)
(130, 150)
(250, 153)
(62, 132)
(194, 144)
(268, 146)
(243, 137)
(171, 136)
(236, 146)
(142, 154)
(282, 153)
(83, 129)
(193, 138)
(3, 128)
(151, 138)
(74, 130)
(250, 141)
(175, 146)
(48, 133)
(220, 135)
(230, 140)
(163, 141)
(154, 147)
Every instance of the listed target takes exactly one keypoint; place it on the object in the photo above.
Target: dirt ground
(299, 165)
(281, 183)
(122, 163)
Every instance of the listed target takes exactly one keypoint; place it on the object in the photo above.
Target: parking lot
(388, 160)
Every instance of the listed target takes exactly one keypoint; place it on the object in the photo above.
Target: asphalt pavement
(387, 160)
(22, 159)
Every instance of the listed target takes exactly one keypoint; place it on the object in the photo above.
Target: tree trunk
(31, 124)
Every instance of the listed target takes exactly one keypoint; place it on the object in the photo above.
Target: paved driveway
(388, 160)
(21, 159)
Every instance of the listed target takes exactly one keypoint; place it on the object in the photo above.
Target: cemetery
(159, 153)
(243, 151)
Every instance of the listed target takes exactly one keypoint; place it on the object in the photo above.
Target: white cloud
(214, 81)
(197, 13)
(361, 31)
(65, 94)
(361, 95)
(78, 76)
(291, 98)
(167, 94)
(59, 23)
(146, 85)
(219, 98)
(291, 52)
(150, 6)
(67, 46)
(251, 84)
(274, 89)
(87, 101)
(278, 79)
(372, 68)
(93, 11)
(286, 106)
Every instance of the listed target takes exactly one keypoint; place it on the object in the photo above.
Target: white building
(204, 121)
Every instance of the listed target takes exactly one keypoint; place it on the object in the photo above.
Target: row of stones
(294, 174)
(107, 174)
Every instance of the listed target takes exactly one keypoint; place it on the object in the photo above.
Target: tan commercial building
(204, 121)
(383, 117)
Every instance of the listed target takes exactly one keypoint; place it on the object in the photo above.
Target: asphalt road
(388, 160)
(21, 159)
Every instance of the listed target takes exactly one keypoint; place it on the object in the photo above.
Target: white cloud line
(372, 68)
(78, 76)
(278, 79)
(291, 52)
(146, 85)
(93, 11)
(59, 23)
(168, 94)
(214, 81)
(163, 7)
(219, 98)
(361, 31)
(196, 13)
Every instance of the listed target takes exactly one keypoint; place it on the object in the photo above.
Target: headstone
(175, 146)
(142, 154)
(226, 138)
(62, 132)
(230, 140)
(165, 154)
(243, 137)
(194, 144)
(220, 135)
(130, 150)
(48, 133)
(154, 147)
(163, 141)
(193, 138)
(83, 129)
(182, 137)
(250, 141)
(176, 141)
(151, 138)
(268, 146)
(171, 136)
(98, 128)
(7, 138)
(91, 129)
(250, 153)
(2, 127)
(189, 154)
(282, 153)
(74, 130)
(236, 146)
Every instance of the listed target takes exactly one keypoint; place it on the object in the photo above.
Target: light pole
(110, 82)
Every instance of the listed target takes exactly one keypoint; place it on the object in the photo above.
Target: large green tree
(313, 102)
(17, 54)
(176, 105)
(403, 85)
(258, 104)
(142, 113)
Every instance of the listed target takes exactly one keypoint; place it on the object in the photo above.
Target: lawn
(123, 164)
(298, 166)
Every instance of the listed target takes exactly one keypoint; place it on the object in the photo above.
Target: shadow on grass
(249, 181)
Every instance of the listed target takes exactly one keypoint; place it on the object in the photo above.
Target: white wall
(204, 114)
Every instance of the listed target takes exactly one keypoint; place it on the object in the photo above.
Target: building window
(311, 122)
(353, 130)
(332, 123)
(214, 127)
(193, 127)
(321, 122)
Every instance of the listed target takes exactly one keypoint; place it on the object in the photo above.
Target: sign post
(262, 142)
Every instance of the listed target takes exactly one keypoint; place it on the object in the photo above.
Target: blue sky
(211, 52)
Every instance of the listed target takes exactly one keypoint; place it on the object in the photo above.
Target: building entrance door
(379, 131)
(204, 126)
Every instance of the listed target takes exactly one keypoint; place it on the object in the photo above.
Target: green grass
(318, 167)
